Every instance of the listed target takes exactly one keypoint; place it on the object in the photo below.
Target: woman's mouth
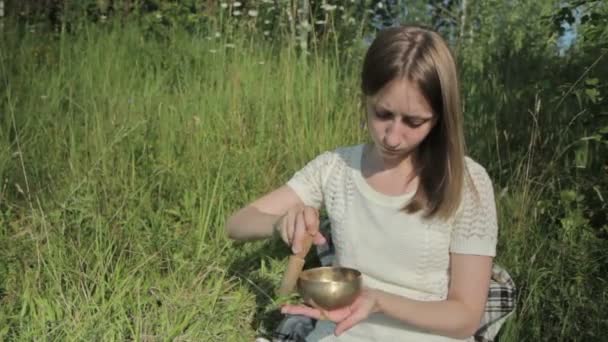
(389, 150)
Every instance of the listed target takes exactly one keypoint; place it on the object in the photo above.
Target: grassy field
(121, 158)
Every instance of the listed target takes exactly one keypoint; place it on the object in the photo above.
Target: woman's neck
(377, 170)
(375, 162)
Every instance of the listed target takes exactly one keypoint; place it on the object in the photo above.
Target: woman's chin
(391, 154)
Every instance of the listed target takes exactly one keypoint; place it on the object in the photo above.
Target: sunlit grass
(121, 157)
(134, 154)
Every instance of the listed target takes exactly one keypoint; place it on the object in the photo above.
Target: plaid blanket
(500, 304)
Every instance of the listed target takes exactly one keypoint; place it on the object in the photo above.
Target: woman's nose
(393, 134)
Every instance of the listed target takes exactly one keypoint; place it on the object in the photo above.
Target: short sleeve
(475, 226)
(309, 182)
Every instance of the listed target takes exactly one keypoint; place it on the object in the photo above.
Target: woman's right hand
(296, 223)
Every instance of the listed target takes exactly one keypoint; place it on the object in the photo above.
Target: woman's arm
(292, 208)
(281, 210)
(459, 316)
(256, 220)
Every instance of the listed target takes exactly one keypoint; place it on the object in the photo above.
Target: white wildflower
(380, 5)
(236, 4)
(329, 8)
(230, 46)
(252, 13)
(305, 25)
(236, 13)
(224, 5)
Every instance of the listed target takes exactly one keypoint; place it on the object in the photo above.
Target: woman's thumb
(311, 220)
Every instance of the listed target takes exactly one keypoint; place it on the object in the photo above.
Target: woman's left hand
(346, 317)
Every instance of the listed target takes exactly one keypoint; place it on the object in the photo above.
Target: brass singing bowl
(329, 288)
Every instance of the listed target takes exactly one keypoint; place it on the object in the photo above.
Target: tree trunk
(127, 6)
(463, 18)
(1, 14)
(303, 14)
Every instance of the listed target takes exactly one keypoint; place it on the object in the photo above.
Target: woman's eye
(383, 115)
(413, 122)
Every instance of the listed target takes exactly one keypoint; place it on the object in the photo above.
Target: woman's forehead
(401, 97)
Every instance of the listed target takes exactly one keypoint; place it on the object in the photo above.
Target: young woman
(408, 210)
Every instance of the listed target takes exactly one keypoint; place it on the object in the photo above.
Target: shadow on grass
(264, 283)
(247, 268)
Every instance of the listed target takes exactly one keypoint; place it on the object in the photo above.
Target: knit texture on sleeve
(325, 182)
(309, 182)
(475, 227)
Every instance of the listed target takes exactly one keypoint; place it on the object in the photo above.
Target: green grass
(121, 157)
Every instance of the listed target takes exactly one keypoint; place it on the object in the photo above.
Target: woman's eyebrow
(379, 107)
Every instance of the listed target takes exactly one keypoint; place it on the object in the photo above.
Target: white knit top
(396, 252)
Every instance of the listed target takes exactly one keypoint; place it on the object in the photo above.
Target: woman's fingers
(279, 228)
(311, 217)
(289, 227)
(349, 322)
(283, 230)
(334, 315)
(299, 232)
(298, 222)
(302, 310)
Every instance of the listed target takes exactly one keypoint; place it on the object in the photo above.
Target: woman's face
(399, 118)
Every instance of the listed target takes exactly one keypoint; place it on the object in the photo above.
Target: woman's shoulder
(476, 170)
(477, 180)
(341, 155)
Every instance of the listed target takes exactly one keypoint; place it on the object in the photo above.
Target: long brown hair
(421, 56)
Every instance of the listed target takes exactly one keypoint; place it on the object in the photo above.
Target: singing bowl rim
(305, 273)
(350, 287)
